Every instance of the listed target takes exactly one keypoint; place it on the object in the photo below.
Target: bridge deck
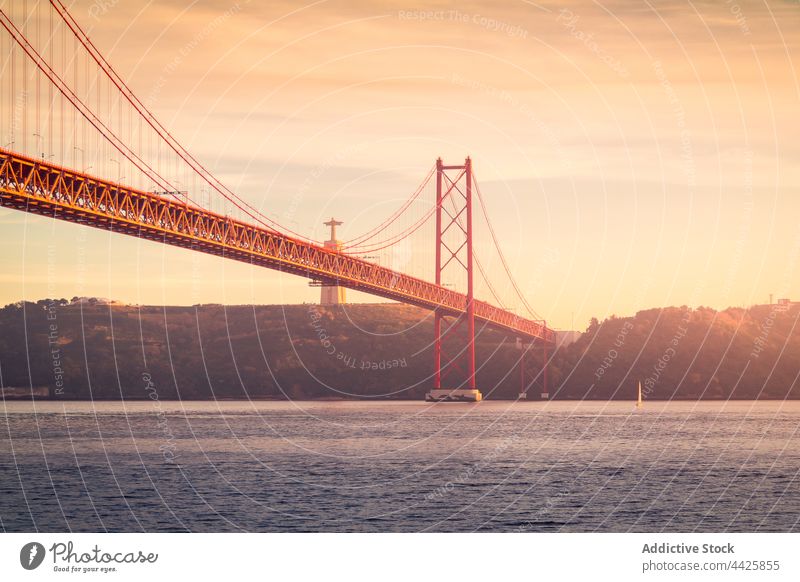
(39, 187)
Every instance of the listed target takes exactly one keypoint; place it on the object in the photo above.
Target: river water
(399, 466)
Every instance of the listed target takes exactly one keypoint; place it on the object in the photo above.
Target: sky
(631, 154)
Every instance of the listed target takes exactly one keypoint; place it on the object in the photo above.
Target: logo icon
(31, 555)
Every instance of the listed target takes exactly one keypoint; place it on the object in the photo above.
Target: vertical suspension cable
(166, 136)
(11, 56)
(44, 67)
(50, 95)
(502, 256)
(25, 79)
(38, 104)
(74, 111)
(62, 137)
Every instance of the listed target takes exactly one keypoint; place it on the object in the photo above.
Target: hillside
(108, 351)
(679, 352)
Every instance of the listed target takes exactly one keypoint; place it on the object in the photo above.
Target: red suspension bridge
(86, 102)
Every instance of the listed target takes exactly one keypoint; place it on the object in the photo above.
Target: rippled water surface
(344, 466)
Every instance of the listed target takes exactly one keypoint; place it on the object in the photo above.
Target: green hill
(111, 351)
(679, 352)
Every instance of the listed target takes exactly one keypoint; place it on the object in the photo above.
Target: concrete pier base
(453, 395)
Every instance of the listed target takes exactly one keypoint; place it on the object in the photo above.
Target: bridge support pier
(526, 378)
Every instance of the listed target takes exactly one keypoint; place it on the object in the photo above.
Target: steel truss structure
(43, 188)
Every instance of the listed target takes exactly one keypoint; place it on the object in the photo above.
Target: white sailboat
(639, 402)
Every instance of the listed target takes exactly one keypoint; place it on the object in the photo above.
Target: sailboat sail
(639, 402)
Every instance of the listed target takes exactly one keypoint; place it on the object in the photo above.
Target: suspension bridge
(59, 89)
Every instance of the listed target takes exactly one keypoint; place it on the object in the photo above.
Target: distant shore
(109, 351)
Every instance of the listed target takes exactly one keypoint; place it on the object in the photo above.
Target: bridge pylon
(454, 375)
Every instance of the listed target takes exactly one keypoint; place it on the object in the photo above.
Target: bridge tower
(454, 373)
(332, 294)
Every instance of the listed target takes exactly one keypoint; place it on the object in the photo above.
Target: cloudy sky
(632, 154)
